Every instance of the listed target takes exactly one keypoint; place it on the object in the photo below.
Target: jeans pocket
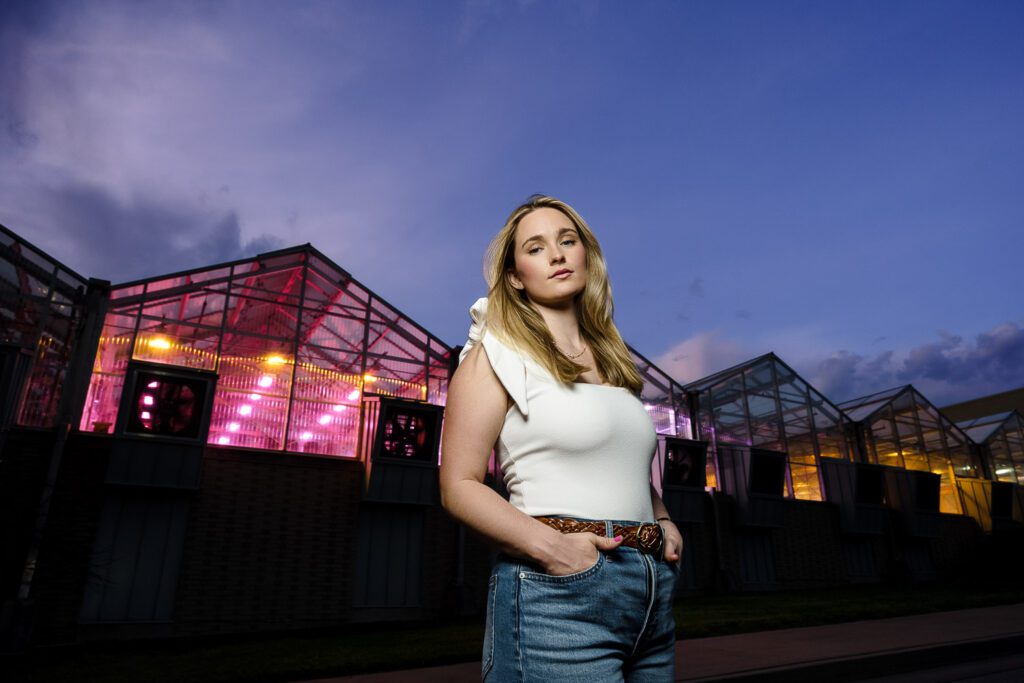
(568, 578)
(487, 658)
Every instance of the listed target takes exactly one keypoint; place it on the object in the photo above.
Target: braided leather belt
(648, 538)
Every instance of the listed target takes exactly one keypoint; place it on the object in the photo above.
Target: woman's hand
(577, 552)
(673, 541)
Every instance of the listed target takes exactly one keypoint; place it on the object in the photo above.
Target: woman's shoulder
(504, 358)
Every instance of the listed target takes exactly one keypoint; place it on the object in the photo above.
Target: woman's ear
(513, 279)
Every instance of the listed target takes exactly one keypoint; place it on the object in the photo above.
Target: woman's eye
(533, 250)
(569, 242)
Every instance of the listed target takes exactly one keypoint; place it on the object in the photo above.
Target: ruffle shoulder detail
(508, 365)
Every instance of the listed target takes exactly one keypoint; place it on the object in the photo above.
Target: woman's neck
(564, 325)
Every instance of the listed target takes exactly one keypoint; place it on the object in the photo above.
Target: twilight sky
(837, 182)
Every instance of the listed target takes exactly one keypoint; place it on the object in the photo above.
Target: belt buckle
(653, 546)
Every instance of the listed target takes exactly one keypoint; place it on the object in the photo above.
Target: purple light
(245, 410)
(265, 381)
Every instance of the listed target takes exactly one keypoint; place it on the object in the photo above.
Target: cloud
(701, 355)
(697, 287)
(101, 236)
(946, 371)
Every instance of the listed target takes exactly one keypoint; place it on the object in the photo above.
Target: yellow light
(159, 343)
(369, 378)
(276, 360)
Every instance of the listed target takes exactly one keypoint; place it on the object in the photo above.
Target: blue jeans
(610, 622)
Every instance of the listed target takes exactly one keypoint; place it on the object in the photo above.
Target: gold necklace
(567, 355)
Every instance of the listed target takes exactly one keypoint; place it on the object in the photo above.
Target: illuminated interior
(664, 399)
(1002, 435)
(295, 343)
(763, 403)
(903, 429)
(41, 305)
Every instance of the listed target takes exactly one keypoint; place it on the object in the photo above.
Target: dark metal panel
(389, 567)
(136, 558)
(860, 558)
(757, 565)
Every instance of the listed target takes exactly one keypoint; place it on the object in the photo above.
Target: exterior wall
(955, 551)
(808, 549)
(24, 458)
(268, 543)
(66, 549)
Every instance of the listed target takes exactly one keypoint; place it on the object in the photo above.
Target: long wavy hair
(514, 318)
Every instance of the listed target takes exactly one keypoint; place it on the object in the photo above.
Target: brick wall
(269, 543)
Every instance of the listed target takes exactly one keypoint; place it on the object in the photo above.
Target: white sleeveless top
(582, 450)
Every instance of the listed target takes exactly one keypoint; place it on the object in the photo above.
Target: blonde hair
(513, 317)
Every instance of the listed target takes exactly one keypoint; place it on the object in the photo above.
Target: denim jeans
(610, 622)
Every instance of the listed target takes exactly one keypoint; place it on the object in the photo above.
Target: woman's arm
(673, 539)
(474, 415)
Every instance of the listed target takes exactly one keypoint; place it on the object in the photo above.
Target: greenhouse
(764, 403)
(903, 429)
(292, 341)
(41, 307)
(1002, 435)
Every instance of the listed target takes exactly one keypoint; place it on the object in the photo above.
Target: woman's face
(547, 244)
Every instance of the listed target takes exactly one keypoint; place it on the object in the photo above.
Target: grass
(381, 647)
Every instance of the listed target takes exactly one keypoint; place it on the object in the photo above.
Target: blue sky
(836, 182)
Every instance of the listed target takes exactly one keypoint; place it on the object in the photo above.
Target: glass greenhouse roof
(295, 342)
(41, 304)
(860, 408)
(764, 403)
(981, 428)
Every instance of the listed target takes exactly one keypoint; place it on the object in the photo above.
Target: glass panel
(1002, 462)
(188, 279)
(801, 450)
(391, 377)
(805, 482)
(334, 331)
(176, 344)
(883, 436)
(42, 396)
(949, 500)
(100, 411)
(324, 416)
(662, 416)
(124, 292)
(832, 446)
(249, 315)
(199, 307)
(796, 419)
(323, 294)
(283, 286)
(730, 419)
(395, 338)
(251, 402)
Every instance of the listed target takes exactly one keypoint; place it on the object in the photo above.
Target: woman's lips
(564, 274)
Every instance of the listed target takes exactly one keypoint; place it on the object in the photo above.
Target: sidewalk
(838, 652)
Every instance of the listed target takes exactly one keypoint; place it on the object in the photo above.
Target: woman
(588, 555)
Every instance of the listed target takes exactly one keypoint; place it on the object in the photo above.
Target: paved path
(962, 645)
